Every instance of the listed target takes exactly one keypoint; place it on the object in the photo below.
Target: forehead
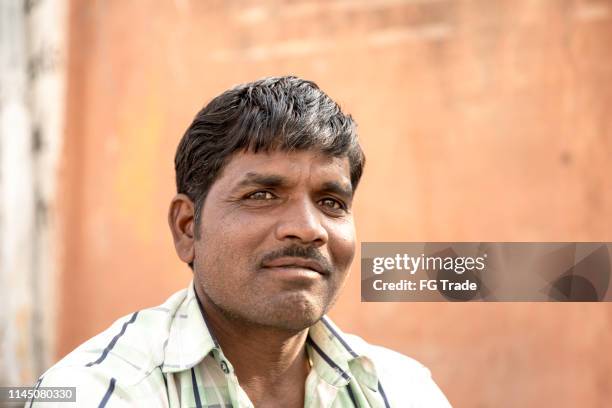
(296, 166)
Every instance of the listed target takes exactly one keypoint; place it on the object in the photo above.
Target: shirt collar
(334, 359)
(189, 340)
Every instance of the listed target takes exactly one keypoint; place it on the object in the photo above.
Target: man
(266, 175)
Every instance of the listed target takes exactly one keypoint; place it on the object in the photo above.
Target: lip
(292, 262)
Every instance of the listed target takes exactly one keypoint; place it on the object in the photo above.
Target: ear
(182, 224)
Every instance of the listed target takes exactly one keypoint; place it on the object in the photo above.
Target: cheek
(230, 240)
(342, 245)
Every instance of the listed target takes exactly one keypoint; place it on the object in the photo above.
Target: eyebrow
(264, 180)
(275, 180)
(338, 188)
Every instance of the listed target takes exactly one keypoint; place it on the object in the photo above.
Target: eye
(332, 204)
(260, 195)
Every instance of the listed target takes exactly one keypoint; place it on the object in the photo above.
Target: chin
(293, 313)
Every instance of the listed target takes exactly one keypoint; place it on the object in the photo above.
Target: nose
(302, 222)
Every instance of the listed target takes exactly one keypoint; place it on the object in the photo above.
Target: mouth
(296, 263)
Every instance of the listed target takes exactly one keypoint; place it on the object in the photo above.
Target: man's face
(276, 237)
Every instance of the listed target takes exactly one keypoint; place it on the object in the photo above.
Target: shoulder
(121, 360)
(405, 381)
(95, 386)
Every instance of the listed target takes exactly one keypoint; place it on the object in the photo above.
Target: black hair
(285, 113)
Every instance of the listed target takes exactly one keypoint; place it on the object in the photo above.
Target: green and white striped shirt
(165, 356)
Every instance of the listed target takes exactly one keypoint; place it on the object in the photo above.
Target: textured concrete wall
(482, 120)
(31, 128)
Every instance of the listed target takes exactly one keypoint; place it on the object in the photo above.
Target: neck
(266, 360)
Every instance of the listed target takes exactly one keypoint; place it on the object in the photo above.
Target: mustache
(298, 252)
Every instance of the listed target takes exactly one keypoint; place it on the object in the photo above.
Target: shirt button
(224, 367)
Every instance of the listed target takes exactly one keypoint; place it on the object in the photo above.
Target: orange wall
(482, 121)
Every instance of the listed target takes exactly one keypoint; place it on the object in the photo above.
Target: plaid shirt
(165, 356)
